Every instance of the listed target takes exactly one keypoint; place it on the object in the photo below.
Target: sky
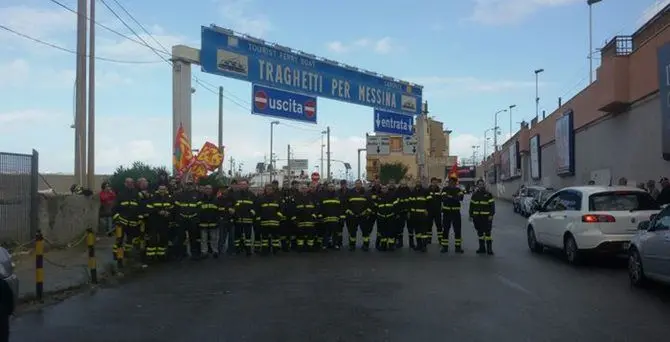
(473, 57)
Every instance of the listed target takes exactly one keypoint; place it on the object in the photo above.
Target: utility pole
(328, 153)
(80, 108)
(90, 169)
(359, 161)
(272, 124)
(421, 136)
(537, 90)
(221, 129)
(510, 119)
(322, 146)
(288, 163)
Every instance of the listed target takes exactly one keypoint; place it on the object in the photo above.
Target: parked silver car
(529, 199)
(649, 251)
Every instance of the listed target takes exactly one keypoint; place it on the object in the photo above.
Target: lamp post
(537, 96)
(272, 166)
(486, 140)
(322, 147)
(495, 125)
(359, 162)
(590, 57)
(510, 119)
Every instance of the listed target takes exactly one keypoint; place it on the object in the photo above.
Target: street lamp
(510, 119)
(272, 166)
(590, 57)
(495, 136)
(537, 96)
(359, 162)
(322, 147)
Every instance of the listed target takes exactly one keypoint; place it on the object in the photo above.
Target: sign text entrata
(393, 123)
(283, 104)
(273, 66)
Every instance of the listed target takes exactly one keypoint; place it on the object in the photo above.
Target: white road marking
(516, 286)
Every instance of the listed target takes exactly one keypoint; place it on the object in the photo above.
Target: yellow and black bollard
(118, 230)
(92, 267)
(39, 265)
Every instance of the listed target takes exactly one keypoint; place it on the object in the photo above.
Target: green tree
(137, 170)
(395, 171)
(214, 180)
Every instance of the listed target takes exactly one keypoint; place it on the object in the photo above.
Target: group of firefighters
(179, 220)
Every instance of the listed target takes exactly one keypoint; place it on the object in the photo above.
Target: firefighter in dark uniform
(305, 218)
(289, 230)
(375, 191)
(343, 192)
(434, 209)
(187, 207)
(482, 209)
(208, 221)
(160, 210)
(245, 214)
(386, 205)
(331, 213)
(268, 220)
(359, 208)
(402, 194)
(144, 196)
(225, 206)
(452, 196)
(419, 221)
(127, 218)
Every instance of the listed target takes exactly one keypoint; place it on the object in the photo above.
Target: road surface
(343, 296)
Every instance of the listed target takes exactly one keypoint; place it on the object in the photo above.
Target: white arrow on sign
(378, 121)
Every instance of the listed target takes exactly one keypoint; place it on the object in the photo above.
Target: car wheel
(533, 245)
(571, 250)
(635, 269)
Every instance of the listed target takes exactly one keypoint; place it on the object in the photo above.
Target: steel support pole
(90, 169)
(80, 119)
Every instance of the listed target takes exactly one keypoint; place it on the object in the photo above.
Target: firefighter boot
(378, 242)
(445, 249)
(412, 244)
(489, 247)
(366, 246)
(482, 247)
(459, 250)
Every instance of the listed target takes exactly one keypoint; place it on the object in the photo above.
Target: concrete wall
(624, 145)
(61, 182)
(63, 218)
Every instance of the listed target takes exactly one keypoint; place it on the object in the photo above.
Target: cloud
(458, 85)
(21, 74)
(124, 49)
(651, 11)
(504, 12)
(37, 22)
(242, 16)
(14, 73)
(14, 118)
(380, 46)
(461, 145)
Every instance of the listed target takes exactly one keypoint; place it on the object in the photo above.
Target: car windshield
(532, 192)
(622, 201)
(545, 195)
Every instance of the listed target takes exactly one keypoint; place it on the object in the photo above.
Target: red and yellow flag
(453, 173)
(209, 156)
(181, 153)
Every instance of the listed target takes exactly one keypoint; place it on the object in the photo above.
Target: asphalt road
(342, 296)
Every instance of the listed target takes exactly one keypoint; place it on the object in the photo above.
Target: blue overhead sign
(228, 54)
(283, 104)
(393, 123)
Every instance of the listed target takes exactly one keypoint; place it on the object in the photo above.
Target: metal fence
(18, 197)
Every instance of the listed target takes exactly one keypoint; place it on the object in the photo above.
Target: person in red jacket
(107, 199)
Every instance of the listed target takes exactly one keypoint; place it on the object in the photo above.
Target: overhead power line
(64, 49)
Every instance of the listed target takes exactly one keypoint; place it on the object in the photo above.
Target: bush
(395, 171)
(214, 180)
(137, 170)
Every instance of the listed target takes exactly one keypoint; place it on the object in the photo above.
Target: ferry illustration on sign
(232, 62)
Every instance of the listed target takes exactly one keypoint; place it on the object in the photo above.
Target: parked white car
(583, 219)
(649, 253)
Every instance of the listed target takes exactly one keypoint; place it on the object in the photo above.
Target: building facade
(436, 149)
(611, 129)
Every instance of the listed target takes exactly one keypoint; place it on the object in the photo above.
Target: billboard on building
(512, 160)
(663, 55)
(565, 144)
(535, 157)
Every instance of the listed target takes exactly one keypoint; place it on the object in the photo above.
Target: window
(395, 144)
(564, 200)
(662, 221)
(622, 201)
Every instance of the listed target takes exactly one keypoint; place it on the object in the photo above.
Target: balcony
(613, 76)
